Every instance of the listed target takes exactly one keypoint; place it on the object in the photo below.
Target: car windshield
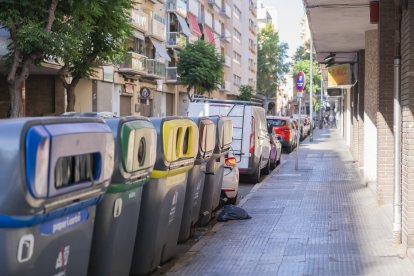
(276, 122)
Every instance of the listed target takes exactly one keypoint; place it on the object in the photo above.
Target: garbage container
(53, 173)
(215, 168)
(117, 214)
(163, 198)
(196, 176)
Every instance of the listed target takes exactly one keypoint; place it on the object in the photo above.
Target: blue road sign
(300, 81)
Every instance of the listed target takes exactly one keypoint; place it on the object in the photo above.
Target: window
(237, 12)
(159, 18)
(236, 80)
(236, 57)
(237, 35)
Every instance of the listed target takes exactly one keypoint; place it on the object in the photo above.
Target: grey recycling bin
(53, 173)
(163, 198)
(196, 176)
(117, 214)
(215, 169)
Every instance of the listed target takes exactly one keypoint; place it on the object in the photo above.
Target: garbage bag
(231, 212)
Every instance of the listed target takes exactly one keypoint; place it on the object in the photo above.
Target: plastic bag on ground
(231, 212)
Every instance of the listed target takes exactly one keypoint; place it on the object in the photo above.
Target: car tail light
(252, 135)
(230, 162)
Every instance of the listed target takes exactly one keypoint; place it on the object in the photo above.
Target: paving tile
(319, 220)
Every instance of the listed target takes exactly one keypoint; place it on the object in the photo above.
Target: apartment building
(249, 42)
(146, 82)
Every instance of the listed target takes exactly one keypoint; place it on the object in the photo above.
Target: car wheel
(290, 148)
(278, 160)
(255, 178)
(266, 170)
(232, 200)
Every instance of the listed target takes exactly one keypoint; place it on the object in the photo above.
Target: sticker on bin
(61, 224)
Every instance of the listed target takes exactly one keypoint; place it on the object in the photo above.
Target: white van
(251, 142)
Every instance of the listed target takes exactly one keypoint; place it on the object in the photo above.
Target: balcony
(252, 49)
(155, 68)
(193, 7)
(214, 2)
(225, 86)
(176, 40)
(157, 28)
(177, 6)
(134, 64)
(253, 9)
(139, 20)
(225, 35)
(252, 69)
(171, 75)
(208, 19)
(226, 11)
(227, 61)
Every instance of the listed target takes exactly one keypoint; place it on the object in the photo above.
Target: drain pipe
(397, 208)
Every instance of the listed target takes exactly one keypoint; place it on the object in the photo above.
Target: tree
(304, 66)
(30, 25)
(200, 67)
(271, 61)
(301, 62)
(246, 93)
(95, 34)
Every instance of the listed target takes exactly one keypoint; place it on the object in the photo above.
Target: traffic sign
(300, 81)
(299, 95)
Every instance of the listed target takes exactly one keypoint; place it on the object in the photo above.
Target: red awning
(192, 20)
(208, 34)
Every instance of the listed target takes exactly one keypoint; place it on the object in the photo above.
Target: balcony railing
(171, 74)
(225, 35)
(227, 60)
(226, 11)
(134, 63)
(155, 68)
(178, 6)
(176, 40)
(225, 86)
(157, 29)
(215, 2)
(139, 20)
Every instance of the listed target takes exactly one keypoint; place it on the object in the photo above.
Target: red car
(284, 129)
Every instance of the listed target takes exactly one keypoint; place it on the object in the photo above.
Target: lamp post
(311, 90)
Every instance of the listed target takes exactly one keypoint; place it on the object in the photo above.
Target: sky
(289, 15)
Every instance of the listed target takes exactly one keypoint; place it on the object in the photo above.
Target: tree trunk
(15, 100)
(188, 94)
(70, 94)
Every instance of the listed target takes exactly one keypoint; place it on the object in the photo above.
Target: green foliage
(246, 93)
(301, 62)
(304, 66)
(200, 67)
(95, 34)
(317, 104)
(271, 61)
(27, 20)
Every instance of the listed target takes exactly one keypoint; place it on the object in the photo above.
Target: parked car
(230, 186)
(285, 129)
(251, 142)
(302, 127)
(275, 149)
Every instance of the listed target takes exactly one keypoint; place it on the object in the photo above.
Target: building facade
(375, 41)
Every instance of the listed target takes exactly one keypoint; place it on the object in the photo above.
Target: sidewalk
(319, 220)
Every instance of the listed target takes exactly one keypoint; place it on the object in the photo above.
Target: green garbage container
(117, 214)
(215, 168)
(163, 198)
(196, 176)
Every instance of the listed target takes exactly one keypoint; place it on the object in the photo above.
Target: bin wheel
(266, 170)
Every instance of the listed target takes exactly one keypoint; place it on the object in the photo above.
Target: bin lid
(207, 137)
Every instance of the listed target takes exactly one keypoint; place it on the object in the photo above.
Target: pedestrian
(331, 120)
